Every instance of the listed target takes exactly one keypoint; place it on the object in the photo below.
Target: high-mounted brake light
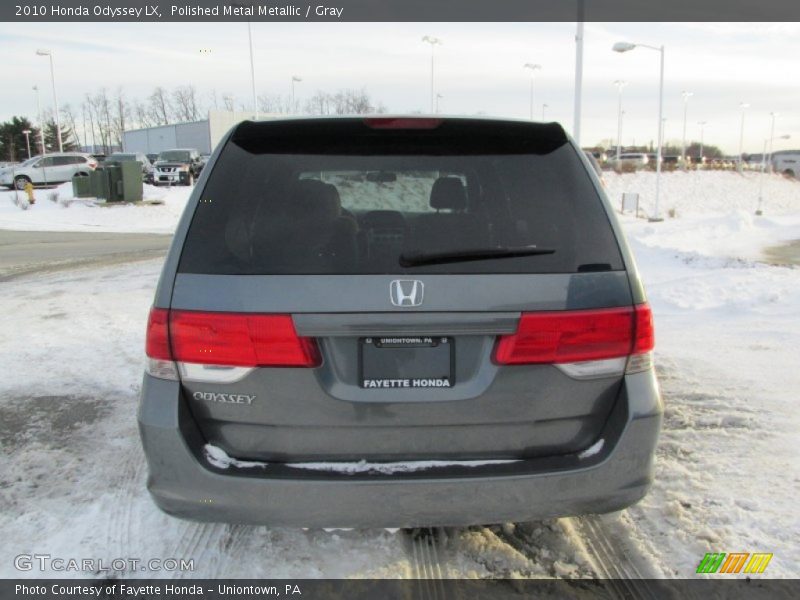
(239, 339)
(402, 122)
(576, 336)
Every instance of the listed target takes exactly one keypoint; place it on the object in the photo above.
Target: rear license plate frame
(370, 379)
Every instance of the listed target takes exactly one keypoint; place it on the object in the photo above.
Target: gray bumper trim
(184, 485)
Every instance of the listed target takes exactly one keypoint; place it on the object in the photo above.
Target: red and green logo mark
(734, 562)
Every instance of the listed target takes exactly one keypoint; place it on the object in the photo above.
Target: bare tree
(160, 106)
(228, 102)
(141, 114)
(354, 102)
(121, 116)
(275, 104)
(321, 103)
(185, 103)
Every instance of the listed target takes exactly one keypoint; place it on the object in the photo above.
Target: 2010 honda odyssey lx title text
(398, 322)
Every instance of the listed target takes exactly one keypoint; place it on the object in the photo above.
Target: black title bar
(400, 10)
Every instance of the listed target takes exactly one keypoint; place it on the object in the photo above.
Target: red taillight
(645, 333)
(157, 344)
(574, 336)
(402, 123)
(239, 339)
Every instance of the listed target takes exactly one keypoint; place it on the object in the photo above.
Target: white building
(202, 135)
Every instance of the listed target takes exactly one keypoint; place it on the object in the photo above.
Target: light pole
(702, 138)
(759, 212)
(625, 47)
(771, 137)
(743, 106)
(252, 70)
(576, 119)
(533, 69)
(438, 97)
(39, 118)
(620, 84)
(27, 133)
(295, 79)
(686, 96)
(544, 108)
(433, 41)
(49, 54)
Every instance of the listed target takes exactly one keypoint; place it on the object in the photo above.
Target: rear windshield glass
(334, 207)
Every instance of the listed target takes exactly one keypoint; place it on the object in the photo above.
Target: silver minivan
(397, 322)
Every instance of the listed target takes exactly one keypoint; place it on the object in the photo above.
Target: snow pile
(58, 210)
(706, 192)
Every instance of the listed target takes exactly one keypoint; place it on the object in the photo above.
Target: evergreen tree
(13, 146)
(68, 140)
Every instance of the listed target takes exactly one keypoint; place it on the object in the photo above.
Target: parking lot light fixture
(544, 108)
(533, 68)
(39, 118)
(702, 137)
(27, 133)
(295, 79)
(620, 84)
(743, 106)
(772, 115)
(49, 54)
(627, 47)
(433, 41)
(769, 140)
(685, 95)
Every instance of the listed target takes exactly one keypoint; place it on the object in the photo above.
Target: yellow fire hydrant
(29, 191)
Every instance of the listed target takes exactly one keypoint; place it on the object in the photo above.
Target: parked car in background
(177, 167)
(398, 322)
(147, 168)
(629, 160)
(48, 169)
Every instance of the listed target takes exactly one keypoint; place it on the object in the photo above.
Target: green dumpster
(82, 186)
(131, 188)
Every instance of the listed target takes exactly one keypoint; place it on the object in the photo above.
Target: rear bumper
(183, 484)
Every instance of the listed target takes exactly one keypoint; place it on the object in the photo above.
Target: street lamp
(533, 69)
(771, 137)
(759, 212)
(433, 41)
(27, 133)
(544, 108)
(252, 70)
(49, 54)
(39, 118)
(295, 79)
(686, 96)
(626, 47)
(438, 97)
(620, 84)
(743, 106)
(702, 134)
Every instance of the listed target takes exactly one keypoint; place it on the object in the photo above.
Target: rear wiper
(418, 259)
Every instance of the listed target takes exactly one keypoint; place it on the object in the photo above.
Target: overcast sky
(479, 68)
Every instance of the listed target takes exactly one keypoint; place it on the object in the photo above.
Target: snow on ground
(727, 477)
(51, 211)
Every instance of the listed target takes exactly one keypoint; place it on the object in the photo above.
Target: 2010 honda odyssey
(398, 322)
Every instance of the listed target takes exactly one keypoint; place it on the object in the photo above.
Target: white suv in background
(50, 168)
(637, 160)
